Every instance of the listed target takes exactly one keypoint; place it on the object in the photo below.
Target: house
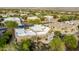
(36, 30)
(18, 20)
(32, 18)
(67, 27)
(49, 18)
(4, 15)
(11, 14)
(23, 14)
(21, 34)
(40, 30)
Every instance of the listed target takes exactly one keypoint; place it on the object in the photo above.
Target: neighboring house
(49, 19)
(67, 27)
(32, 18)
(23, 14)
(18, 20)
(4, 15)
(36, 30)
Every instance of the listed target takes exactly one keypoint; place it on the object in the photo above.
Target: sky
(39, 3)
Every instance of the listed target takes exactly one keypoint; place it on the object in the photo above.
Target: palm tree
(11, 25)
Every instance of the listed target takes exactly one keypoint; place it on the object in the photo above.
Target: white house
(18, 20)
(32, 17)
(40, 29)
(36, 30)
(48, 18)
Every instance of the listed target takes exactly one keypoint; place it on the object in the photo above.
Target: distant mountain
(60, 8)
(47, 8)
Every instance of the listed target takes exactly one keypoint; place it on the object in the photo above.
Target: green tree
(24, 45)
(67, 18)
(34, 21)
(72, 17)
(70, 41)
(42, 18)
(55, 16)
(57, 44)
(63, 18)
(57, 33)
(4, 39)
(11, 24)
